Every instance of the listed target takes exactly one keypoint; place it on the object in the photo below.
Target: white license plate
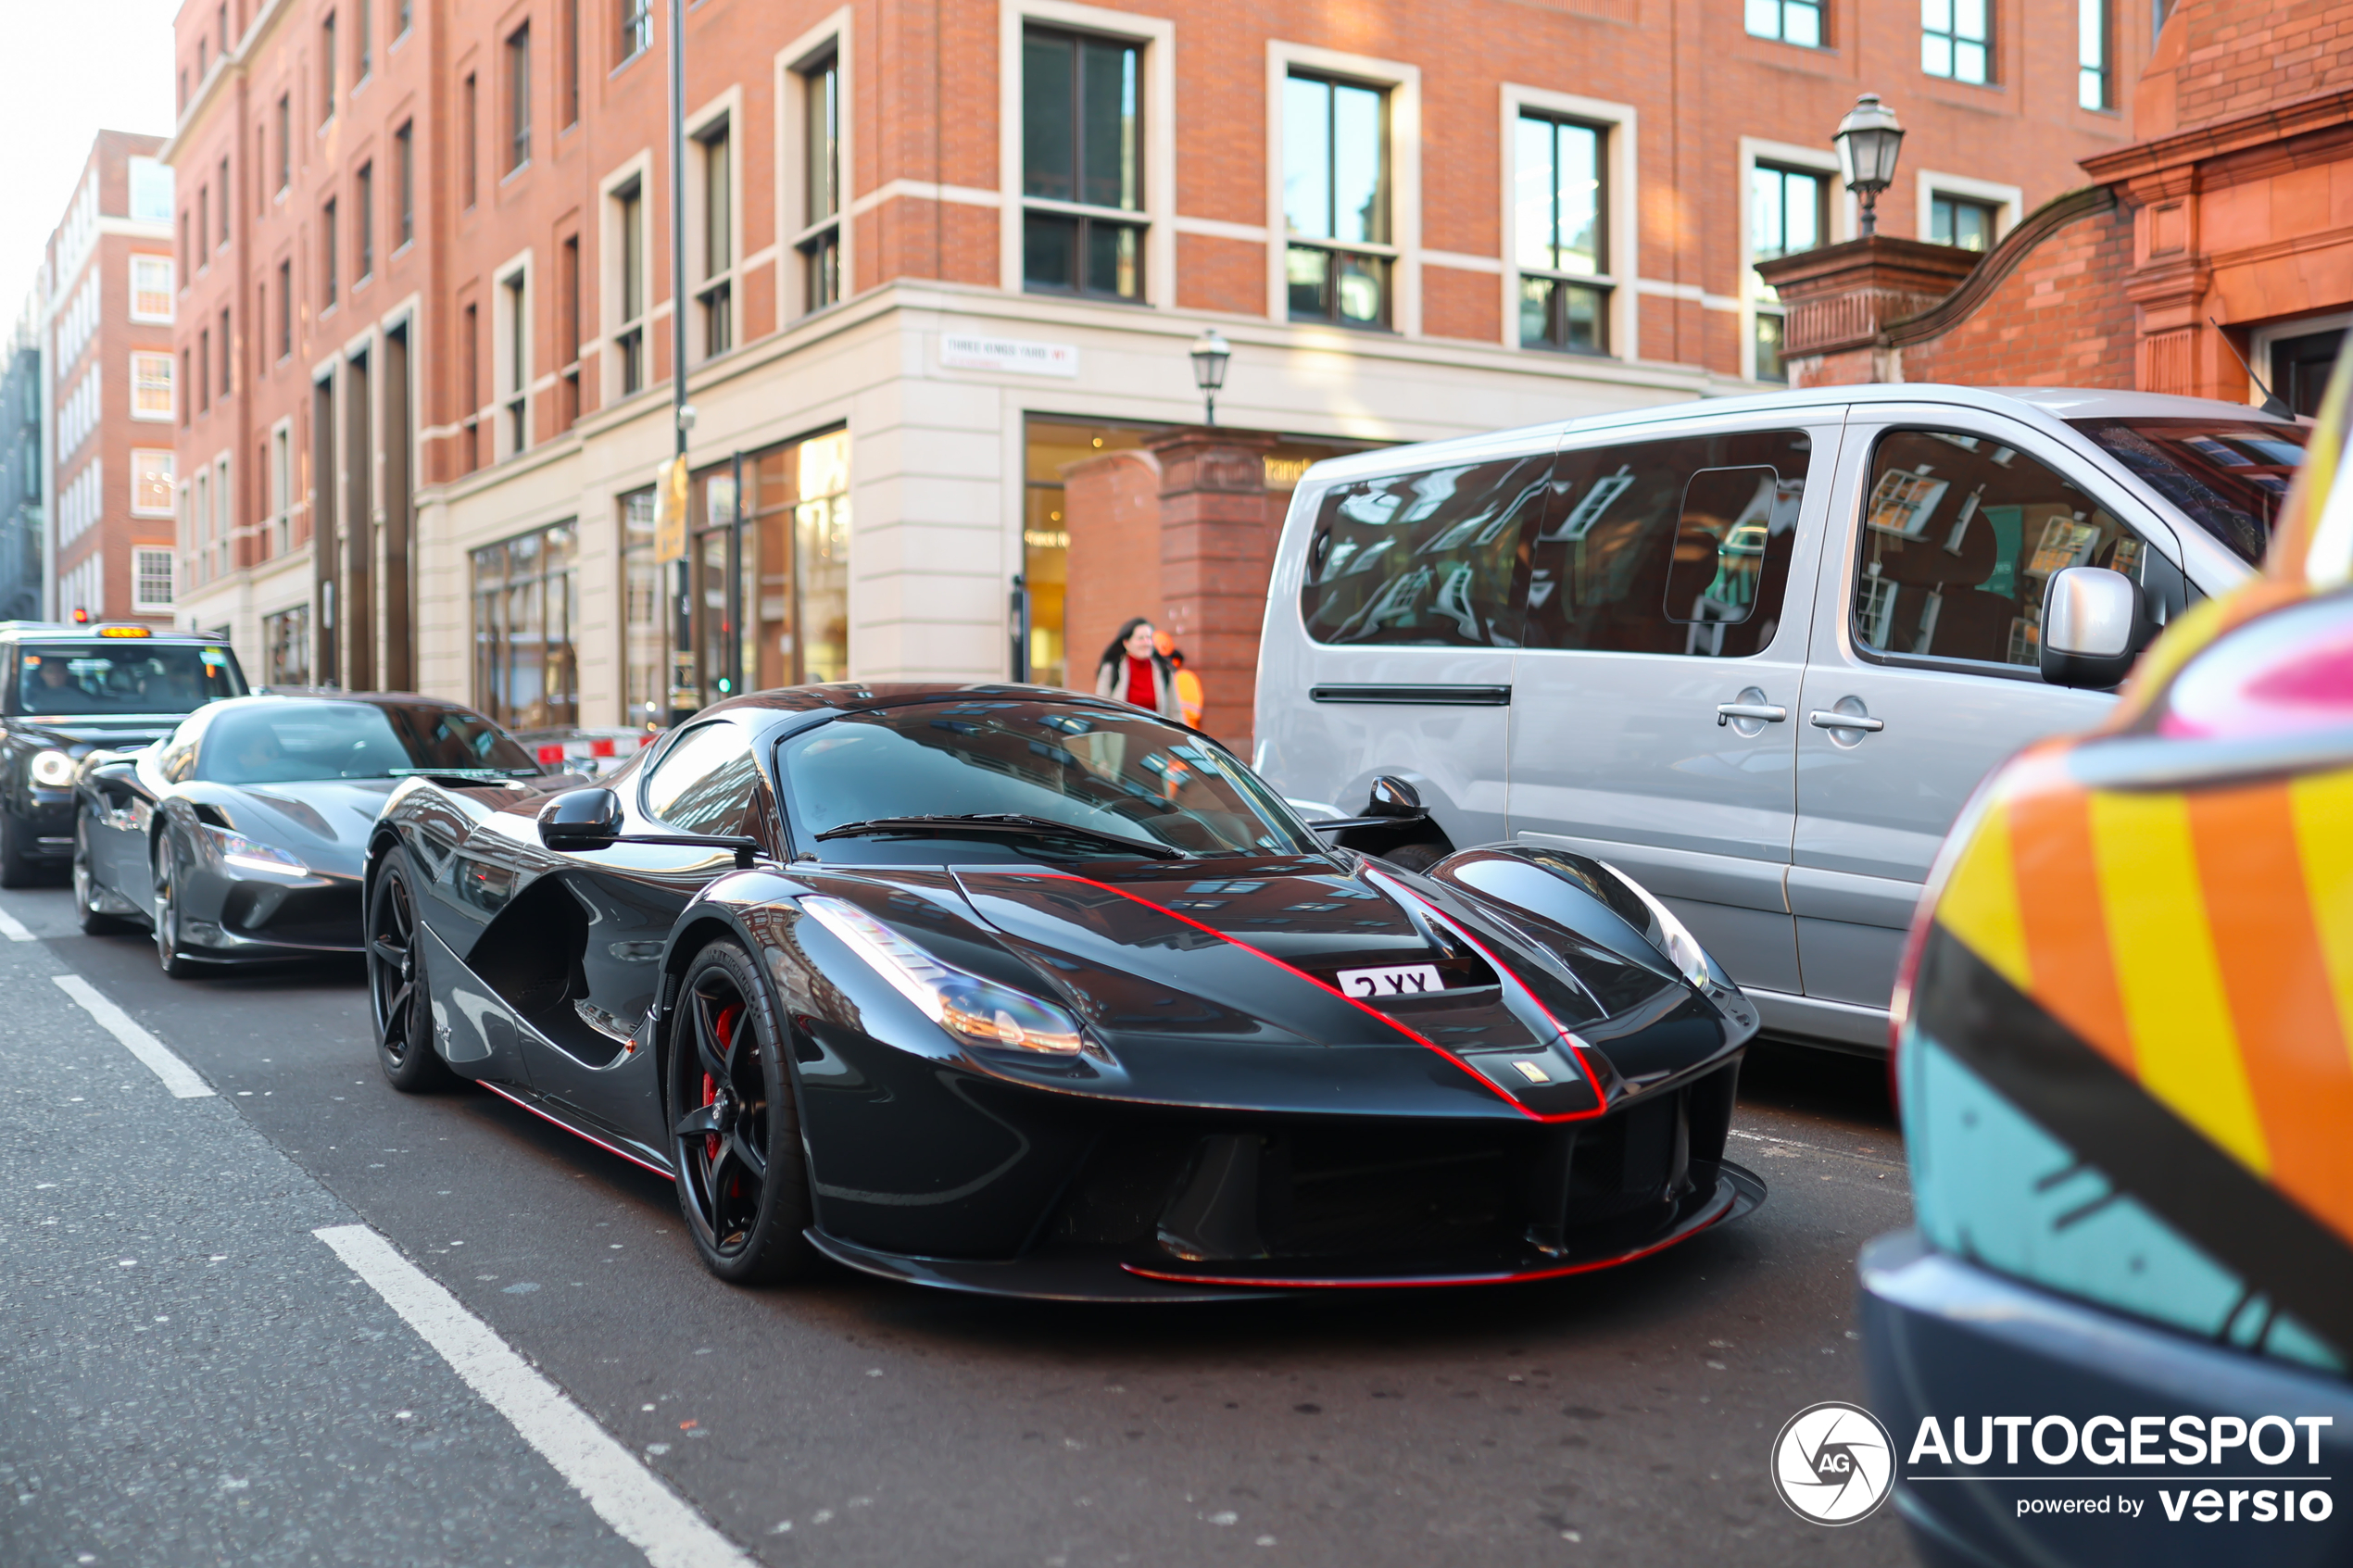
(1397, 980)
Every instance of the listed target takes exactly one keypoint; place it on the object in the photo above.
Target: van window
(1960, 534)
(1429, 559)
(1668, 547)
(706, 781)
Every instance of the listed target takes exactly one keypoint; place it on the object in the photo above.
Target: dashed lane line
(639, 1506)
(177, 1075)
(14, 929)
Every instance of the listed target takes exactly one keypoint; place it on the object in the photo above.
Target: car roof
(67, 632)
(2037, 405)
(869, 696)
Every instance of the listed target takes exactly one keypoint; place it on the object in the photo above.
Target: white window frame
(610, 235)
(170, 474)
(171, 286)
(506, 382)
(1842, 221)
(2008, 201)
(140, 603)
(2260, 349)
(834, 34)
(1618, 123)
(1404, 84)
(729, 106)
(1156, 36)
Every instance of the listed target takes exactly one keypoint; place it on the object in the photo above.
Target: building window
(1082, 164)
(151, 392)
(518, 400)
(821, 235)
(224, 239)
(519, 98)
(568, 316)
(470, 415)
(332, 263)
(285, 141)
(184, 377)
(285, 309)
(204, 370)
(260, 163)
(204, 226)
(150, 191)
(152, 574)
(1954, 220)
(362, 14)
(1559, 217)
(2090, 55)
(1788, 211)
(637, 28)
(151, 288)
(225, 355)
(151, 482)
(568, 111)
(790, 536)
(1790, 22)
(282, 487)
(364, 196)
(647, 641)
(526, 599)
(467, 127)
(1954, 38)
(404, 186)
(714, 296)
(285, 646)
(327, 68)
(401, 21)
(629, 244)
(1336, 201)
(187, 251)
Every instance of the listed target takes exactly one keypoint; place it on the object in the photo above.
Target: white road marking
(626, 1495)
(14, 929)
(177, 1075)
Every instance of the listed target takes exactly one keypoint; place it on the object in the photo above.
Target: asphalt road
(236, 1394)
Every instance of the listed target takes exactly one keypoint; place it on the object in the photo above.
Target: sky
(70, 70)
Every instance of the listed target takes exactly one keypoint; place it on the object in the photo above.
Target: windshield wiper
(1005, 822)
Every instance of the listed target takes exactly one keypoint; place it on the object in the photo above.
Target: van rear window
(1428, 559)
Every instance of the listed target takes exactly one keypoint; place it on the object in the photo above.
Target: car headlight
(979, 1012)
(1683, 948)
(52, 770)
(239, 850)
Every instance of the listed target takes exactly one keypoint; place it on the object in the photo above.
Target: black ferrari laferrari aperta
(240, 836)
(1004, 989)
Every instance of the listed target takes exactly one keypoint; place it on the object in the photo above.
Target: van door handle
(1822, 721)
(1728, 711)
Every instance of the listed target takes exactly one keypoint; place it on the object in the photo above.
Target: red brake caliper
(725, 1027)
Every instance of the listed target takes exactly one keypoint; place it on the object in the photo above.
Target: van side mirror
(581, 819)
(2095, 624)
(1393, 796)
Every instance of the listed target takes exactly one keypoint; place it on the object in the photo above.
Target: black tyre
(398, 992)
(95, 921)
(16, 859)
(735, 1140)
(176, 964)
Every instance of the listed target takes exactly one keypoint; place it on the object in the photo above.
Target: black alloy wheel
(398, 992)
(735, 1143)
(95, 921)
(176, 964)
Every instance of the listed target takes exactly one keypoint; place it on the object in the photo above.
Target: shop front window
(785, 620)
(526, 601)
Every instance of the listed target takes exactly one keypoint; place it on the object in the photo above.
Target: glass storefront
(645, 638)
(286, 640)
(526, 601)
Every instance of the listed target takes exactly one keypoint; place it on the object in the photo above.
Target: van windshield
(128, 676)
(2228, 476)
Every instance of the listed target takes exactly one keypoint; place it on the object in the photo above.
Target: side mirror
(1393, 796)
(581, 819)
(2095, 624)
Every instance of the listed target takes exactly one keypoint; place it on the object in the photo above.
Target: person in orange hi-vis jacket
(1188, 692)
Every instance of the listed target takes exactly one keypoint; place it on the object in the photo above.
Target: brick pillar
(1111, 507)
(1839, 298)
(1218, 523)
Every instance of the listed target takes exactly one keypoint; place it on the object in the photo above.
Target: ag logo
(1833, 1463)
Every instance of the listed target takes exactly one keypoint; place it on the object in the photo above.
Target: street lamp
(1869, 139)
(1210, 353)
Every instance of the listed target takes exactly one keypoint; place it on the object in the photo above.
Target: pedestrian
(1189, 700)
(1134, 671)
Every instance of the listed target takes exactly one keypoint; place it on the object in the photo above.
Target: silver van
(1754, 652)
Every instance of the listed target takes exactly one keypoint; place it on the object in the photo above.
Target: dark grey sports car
(241, 836)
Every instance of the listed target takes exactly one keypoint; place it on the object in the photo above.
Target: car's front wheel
(95, 921)
(735, 1138)
(176, 964)
(397, 992)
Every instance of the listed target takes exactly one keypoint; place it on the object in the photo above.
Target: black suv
(68, 690)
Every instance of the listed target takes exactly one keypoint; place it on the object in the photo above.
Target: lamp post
(1210, 353)
(1869, 139)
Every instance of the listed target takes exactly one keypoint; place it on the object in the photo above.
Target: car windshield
(128, 676)
(1110, 775)
(2227, 476)
(290, 741)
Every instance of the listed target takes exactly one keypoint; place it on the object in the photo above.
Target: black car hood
(325, 821)
(127, 732)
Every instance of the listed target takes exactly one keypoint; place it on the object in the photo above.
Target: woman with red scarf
(1133, 671)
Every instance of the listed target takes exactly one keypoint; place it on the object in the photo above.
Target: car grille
(308, 917)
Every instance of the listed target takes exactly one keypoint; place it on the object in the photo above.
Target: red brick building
(2219, 244)
(106, 301)
(935, 256)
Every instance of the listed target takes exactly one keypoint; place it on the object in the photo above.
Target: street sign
(670, 511)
